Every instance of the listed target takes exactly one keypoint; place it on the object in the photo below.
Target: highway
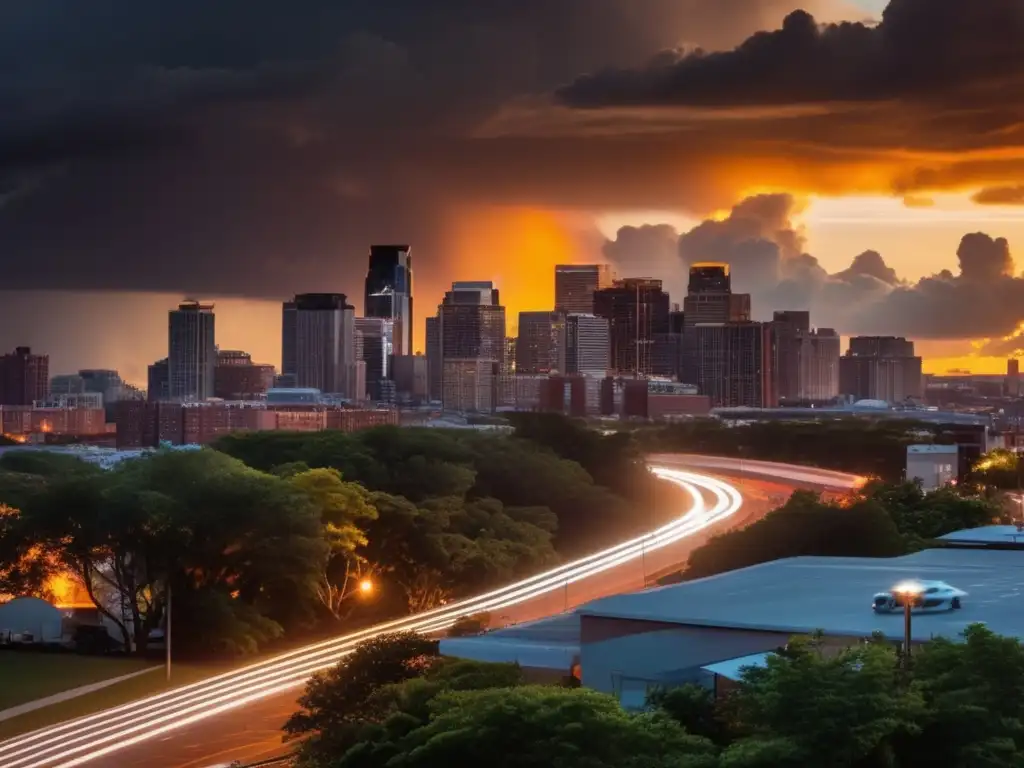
(237, 715)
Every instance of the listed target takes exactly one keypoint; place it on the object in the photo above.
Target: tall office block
(389, 292)
(325, 344)
(790, 328)
(288, 336)
(192, 351)
(637, 309)
(575, 285)
(880, 368)
(709, 300)
(735, 364)
(587, 347)
(24, 377)
(536, 347)
(434, 365)
(819, 365)
(1012, 387)
(377, 351)
(472, 336)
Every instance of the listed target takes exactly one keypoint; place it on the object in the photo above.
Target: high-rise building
(636, 309)
(735, 364)
(434, 363)
(709, 297)
(67, 384)
(24, 377)
(587, 347)
(324, 343)
(880, 368)
(389, 293)
(819, 365)
(411, 378)
(288, 338)
(105, 381)
(377, 352)
(192, 351)
(158, 382)
(575, 285)
(1012, 388)
(536, 347)
(790, 328)
(472, 340)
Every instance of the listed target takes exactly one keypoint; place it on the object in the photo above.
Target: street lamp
(909, 594)
(366, 587)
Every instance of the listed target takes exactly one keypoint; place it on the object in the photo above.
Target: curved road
(238, 715)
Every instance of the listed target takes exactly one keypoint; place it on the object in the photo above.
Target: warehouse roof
(548, 644)
(800, 595)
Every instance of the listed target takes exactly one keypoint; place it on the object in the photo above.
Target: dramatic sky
(861, 159)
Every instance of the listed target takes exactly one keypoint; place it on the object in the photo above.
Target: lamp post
(909, 593)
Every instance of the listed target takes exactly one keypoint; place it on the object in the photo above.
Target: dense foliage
(882, 521)
(873, 448)
(397, 705)
(273, 534)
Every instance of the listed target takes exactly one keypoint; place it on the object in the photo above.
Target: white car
(927, 596)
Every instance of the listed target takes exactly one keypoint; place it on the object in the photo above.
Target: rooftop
(986, 535)
(800, 595)
(552, 643)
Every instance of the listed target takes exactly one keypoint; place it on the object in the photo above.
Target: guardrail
(274, 761)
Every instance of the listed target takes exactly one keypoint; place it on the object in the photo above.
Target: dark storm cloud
(766, 253)
(250, 146)
(1012, 195)
(922, 49)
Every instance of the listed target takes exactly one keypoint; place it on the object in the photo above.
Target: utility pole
(167, 633)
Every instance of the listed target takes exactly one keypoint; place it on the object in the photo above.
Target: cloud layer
(766, 251)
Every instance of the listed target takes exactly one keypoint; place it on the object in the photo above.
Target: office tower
(735, 364)
(378, 335)
(790, 328)
(24, 377)
(819, 365)
(67, 384)
(288, 337)
(411, 377)
(587, 346)
(325, 344)
(880, 368)
(237, 377)
(709, 297)
(158, 382)
(666, 355)
(575, 285)
(192, 351)
(434, 363)
(676, 320)
(636, 309)
(536, 347)
(389, 293)
(472, 334)
(105, 381)
(1012, 388)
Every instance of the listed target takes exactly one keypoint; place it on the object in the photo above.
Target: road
(237, 716)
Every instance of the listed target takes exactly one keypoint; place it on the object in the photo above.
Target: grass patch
(31, 675)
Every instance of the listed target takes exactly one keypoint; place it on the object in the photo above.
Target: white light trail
(85, 739)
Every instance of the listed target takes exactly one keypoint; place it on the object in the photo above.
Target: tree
(545, 726)
(804, 525)
(973, 694)
(999, 468)
(342, 508)
(925, 515)
(336, 705)
(694, 708)
(806, 707)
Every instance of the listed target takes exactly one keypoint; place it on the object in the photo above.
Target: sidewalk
(21, 709)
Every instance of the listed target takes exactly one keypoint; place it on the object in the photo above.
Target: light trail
(85, 739)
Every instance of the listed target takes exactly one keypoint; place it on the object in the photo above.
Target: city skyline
(847, 196)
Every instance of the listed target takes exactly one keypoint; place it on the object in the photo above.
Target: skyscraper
(587, 345)
(709, 300)
(790, 328)
(324, 343)
(24, 377)
(472, 336)
(377, 352)
(192, 351)
(575, 285)
(536, 348)
(880, 368)
(819, 365)
(735, 364)
(389, 292)
(434, 362)
(636, 310)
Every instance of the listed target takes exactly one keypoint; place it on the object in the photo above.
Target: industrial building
(707, 629)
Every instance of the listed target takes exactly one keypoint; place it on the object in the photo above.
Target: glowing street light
(909, 593)
(366, 587)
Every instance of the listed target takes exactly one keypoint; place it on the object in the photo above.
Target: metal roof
(803, 594)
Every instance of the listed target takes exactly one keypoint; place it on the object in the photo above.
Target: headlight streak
(85, 739)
